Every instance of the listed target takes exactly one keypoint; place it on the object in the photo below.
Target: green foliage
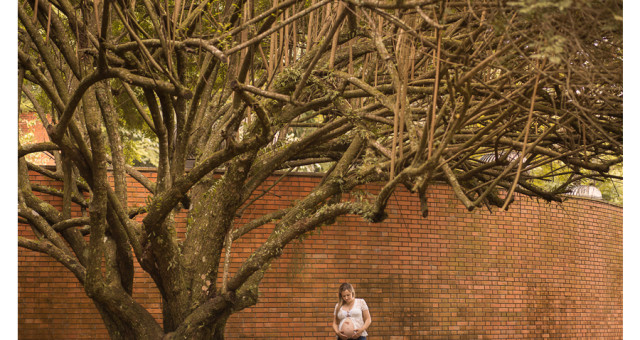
(533, 6)
(551, 49)
(25, 105)
(140, 144)
(611, 189)
(129, 116)
(139, 150)
(41, 98)
(551, 176)
(285, 82)
(28, 137)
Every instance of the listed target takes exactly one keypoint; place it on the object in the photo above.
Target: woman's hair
(343, 287)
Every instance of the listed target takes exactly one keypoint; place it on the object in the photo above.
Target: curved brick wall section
(539, 270)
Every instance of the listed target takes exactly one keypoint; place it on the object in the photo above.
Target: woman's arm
(367, 319)
(337, 329)
(366, 316)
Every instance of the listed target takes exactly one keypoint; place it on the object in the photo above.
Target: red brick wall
(539, 270)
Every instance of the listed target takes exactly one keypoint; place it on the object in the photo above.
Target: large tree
(478, 94)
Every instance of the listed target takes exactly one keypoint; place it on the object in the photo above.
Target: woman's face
(347, 296)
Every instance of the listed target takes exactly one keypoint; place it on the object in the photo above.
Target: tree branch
(37, 147)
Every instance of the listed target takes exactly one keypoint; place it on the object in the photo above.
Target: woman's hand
(358, 333)
(342, 336)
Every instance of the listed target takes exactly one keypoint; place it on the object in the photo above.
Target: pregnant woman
(351, 316)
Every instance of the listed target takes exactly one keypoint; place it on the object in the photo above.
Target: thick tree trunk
(117, 329)
(213, 331)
